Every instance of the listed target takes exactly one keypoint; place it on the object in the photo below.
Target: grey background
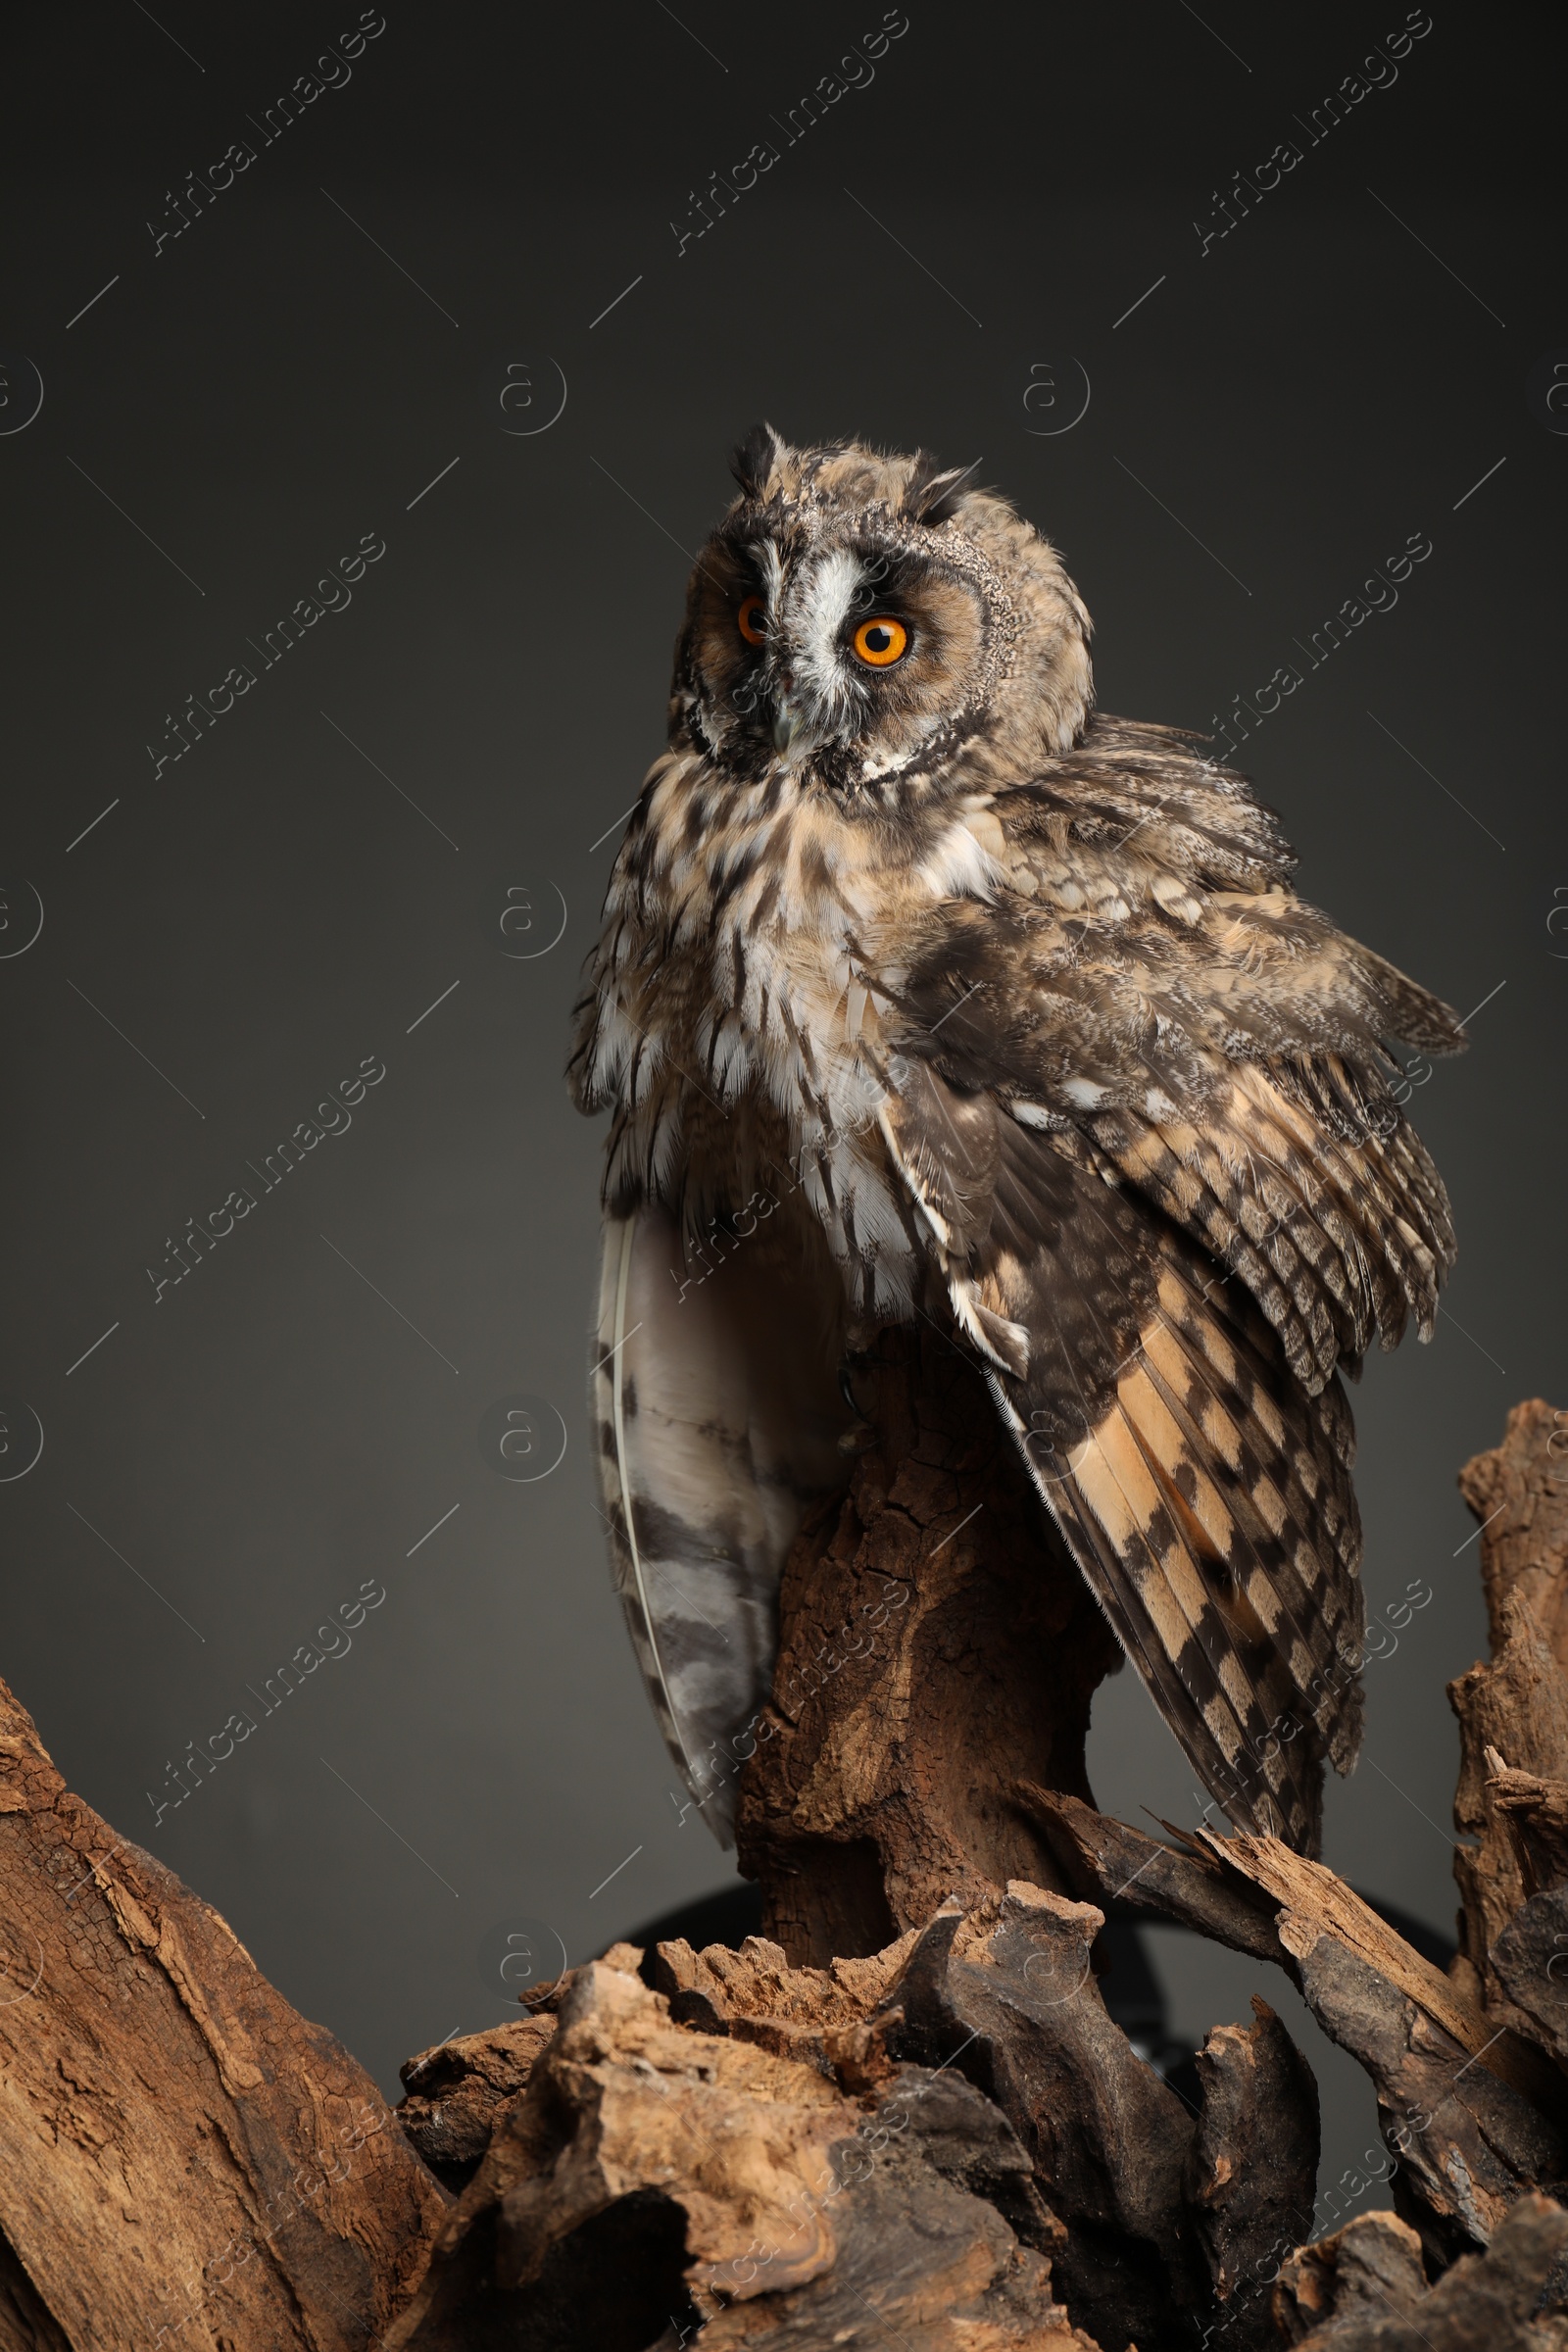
(284, 1425)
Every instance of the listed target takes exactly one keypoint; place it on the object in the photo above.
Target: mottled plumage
(924, 987)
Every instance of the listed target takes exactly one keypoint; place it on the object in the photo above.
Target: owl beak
(789, 721)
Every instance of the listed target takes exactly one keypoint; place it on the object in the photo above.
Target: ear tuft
(753, 460)
(932, 493)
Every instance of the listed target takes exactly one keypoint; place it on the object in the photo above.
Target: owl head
(871, 625)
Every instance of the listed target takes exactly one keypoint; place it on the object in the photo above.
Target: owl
(926, 989)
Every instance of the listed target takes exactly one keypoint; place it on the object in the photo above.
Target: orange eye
(752, 621)
(881, 642)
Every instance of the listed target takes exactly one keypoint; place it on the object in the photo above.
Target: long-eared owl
(923, 986)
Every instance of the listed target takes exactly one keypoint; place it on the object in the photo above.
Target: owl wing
(719, 1417)
(1204, 1495)
(1149, 1120)
(1148, 985)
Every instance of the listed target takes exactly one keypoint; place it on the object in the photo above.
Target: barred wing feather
(719, 1417)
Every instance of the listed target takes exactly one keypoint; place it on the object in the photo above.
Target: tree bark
(936, 1645)
(184, 2159)
(937, 2138)
(1517, 1706)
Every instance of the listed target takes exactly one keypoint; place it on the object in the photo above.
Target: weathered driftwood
(930, 1628)
(184, 2159)
(1473, 2113)
(1517, 1705)
(1364, 2290)
(939, 2138)
(1370, 2270)
(1252, 2169)
(654, 2180)
(453, 2093)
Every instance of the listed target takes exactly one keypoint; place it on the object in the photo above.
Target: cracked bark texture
(1517, 1705)
(183, 2159)
(936, 1644)
(848, 2133)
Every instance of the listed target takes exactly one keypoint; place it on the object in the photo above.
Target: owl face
(859, 622)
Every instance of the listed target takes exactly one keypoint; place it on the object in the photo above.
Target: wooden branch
(1519, 1493)
(755, 1994)
(939, 2136)
(1465, 2104)
(1518, 1704)
(184, 2159)
(1371, 2270)
(936, 1643)
(1106, 1860)
(981, 2044)
(1364, 2291)
(1536, 1813)
(652, 2180)
(1017, 2009)
(454, 2094)
(1251, 2169)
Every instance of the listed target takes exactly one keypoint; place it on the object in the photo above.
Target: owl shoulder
(1135, 807)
